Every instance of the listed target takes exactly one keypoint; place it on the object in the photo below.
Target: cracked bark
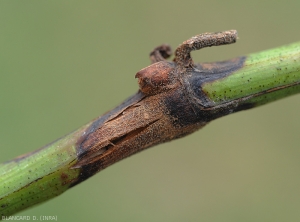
(169, 105)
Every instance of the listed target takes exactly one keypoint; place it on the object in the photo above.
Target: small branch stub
(163, 75)
(183, 52)
(160, 53)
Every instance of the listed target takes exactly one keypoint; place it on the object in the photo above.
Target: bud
(156, 78)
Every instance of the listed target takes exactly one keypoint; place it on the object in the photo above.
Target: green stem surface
(265, 77)
(38, 176)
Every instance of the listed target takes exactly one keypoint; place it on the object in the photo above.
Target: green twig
(175, 98)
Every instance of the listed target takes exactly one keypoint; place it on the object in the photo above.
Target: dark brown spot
(64, 176)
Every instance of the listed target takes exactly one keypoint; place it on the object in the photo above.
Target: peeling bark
(169, 105)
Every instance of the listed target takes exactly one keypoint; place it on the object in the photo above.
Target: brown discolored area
(65, 179)
(157, 78)
(63, 176)
(144, 124)
(169, 105)
(151, 120)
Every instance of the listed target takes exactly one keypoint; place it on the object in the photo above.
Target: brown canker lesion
(168, 105)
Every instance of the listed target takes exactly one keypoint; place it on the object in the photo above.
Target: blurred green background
(63, 63)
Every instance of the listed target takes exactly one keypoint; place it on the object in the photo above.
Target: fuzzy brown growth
(183, 52)
(169, 105)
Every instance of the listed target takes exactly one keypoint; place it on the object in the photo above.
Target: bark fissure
(170, 102)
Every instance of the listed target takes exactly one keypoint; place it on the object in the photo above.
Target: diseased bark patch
(169, 105)
(146, 120)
